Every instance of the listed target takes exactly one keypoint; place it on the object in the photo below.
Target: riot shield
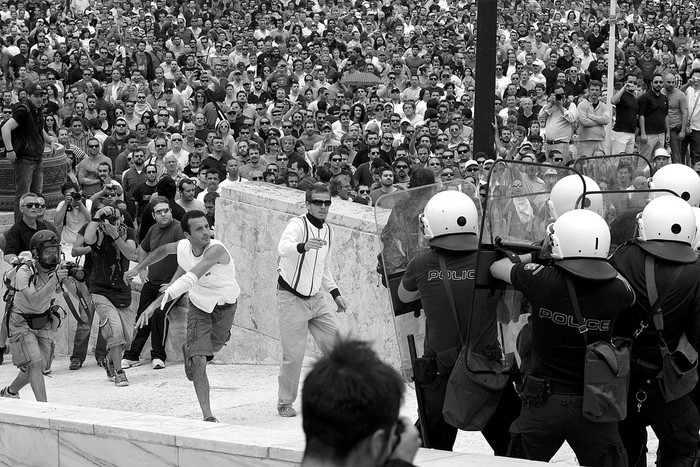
(516, 214)
(401, 240)
(623, 182)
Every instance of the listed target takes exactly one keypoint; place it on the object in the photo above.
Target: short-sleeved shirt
(20, 234)
(654, 109)
(108, 267)
(37, 304)
(161, 272)
(558, 347)
(681, 308)
(28, 138)
(677, 101)
(626, 111)
(424, 275)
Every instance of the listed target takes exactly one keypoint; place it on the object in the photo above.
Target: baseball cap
(36, 90)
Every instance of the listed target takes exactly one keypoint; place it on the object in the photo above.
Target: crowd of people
(158, 106)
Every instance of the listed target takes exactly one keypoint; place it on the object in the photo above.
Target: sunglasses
(401, 167)
(111, 195)
(336, 160)
(319, 202)
(162, 212)
(364, 192)
(558, 159)
(93, 146)
(35, 205)
(256, 179)
(160, 145)
(176, 139)
(151, 172)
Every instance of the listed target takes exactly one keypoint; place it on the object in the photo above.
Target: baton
(419, 392)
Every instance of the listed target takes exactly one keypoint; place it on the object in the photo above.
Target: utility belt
(428, 369)
(536, 390)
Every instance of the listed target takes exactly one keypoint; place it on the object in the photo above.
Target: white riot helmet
(450, 221)
(566, 192)
(697, 225)
(680, 179)
(667, 229)
(580, 241)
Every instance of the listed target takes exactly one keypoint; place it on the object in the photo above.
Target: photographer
(112, 246)
(31, 318)
(560, 116)
(110, 187)
(71, 215)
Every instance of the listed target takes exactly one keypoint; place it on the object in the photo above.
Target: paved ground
(241, 394)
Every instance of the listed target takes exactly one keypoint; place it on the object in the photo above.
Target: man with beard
(116, 142)
(142, 193)
(386, 183)
(654, 129)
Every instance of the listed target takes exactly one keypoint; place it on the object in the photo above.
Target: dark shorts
(207, 333)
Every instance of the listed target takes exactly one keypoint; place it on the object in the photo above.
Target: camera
(559, 97)
(76, 196)
(75, 271)
(111, 218)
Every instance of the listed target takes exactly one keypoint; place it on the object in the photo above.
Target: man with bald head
(677, 115)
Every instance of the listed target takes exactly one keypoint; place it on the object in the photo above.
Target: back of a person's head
(347, 396)
(421, 177)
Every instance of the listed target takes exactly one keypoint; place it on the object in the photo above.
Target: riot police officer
(552, 390)
(661, 268)
(450, 223)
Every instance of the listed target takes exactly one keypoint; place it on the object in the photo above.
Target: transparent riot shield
(623, 182)
(517, 212)
(401, 240)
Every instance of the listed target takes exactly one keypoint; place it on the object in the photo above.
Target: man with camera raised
(32, 319)
(71, 215)
(112, 245)
(560, 116)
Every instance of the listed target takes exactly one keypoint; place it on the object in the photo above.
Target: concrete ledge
(50, 435)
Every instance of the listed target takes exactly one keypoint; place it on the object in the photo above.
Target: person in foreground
(350, 409)
(205, 270)
(36, 285)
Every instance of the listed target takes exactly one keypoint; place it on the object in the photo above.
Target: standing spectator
(677, 116)
(135, 176)
(593, 117)
(25, 148)
(87, 169)
(692, 129)
(166, 230)
(17, 238)
(142, 193)
(187, 200)
(205, 270)
(626, 112)
(560, 116)
(653, 118)
(300, 304)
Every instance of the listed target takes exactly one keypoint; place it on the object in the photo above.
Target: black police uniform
(675, 423)
(558, 358)
(442, 341)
